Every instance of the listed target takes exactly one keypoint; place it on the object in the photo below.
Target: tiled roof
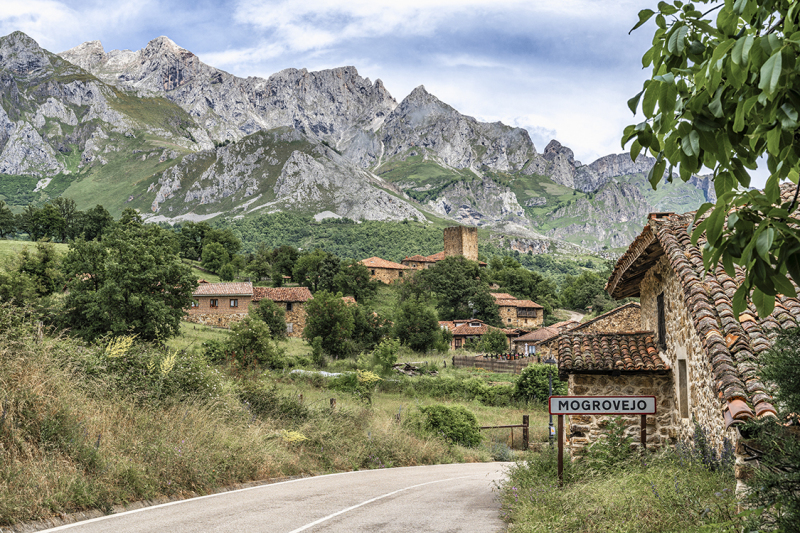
(224, 289)
(377, 262)
(502, 296)
(419, 259)
(732, 344)
(282, 294)
(539, 334)
(568, 324)
(609, 352)
(439, 256)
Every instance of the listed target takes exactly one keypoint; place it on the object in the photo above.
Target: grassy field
(9, 249)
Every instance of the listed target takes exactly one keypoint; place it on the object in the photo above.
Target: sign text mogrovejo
(602, 405)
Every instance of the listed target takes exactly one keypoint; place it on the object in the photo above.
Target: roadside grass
(80, 429)
(194, 335)
(662, 493)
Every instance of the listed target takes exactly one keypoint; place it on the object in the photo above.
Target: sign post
(599, 405)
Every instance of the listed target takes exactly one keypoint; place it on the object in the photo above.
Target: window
(474, 324)
(372, 271)
(662, 323)
(234, 302)
(458, 343)
(509, 320)
(683, 388)
(400, 274)
(195, 303)
(213, 302)
(288, 306)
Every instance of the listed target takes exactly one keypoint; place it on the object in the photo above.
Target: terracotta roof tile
(377, 262)
(539, 334)
(419, 259)
(282, 294)
(732, 344)
(502, 296)
(439, 256)
(609, 352)
(588, 323)
(224, 289)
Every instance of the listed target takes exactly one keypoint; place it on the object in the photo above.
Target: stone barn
(709, 354)
(385, 271)
(514, 313)
(292, 300)
(219, 304)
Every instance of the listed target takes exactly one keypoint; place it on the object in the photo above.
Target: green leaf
(764, 243)
(666, 8)
(773, 189)
(765, 303)
(691, 143)
(739, 6)
(715, 222)
(793, 266)
(727, 20)
(633, 103)
(715, 106)
(740, 300)
(774, 141)
(651, 96)
(741, 174)
(783, 285)
(677, 40)
(644, 16)
(727, 264)
(770, 73)
(657, 172)
(636, 147)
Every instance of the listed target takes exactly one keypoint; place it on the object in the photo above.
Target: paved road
(441, 498)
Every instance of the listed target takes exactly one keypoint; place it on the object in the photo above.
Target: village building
(421, 262)
(459, 241)
(515, 313)
(219, 304)
(383, 270)
(473, 329)
(292, 300)
(691, 351)
(526, 344)
(624, 318)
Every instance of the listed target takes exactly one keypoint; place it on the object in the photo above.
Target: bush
(494, 341)
(533, 383)
(273, 316)
(265, 402)
(317, 354)
(385, 355)
(455, 423)
(250, 344)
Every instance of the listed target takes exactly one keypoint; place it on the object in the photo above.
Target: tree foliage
(723, 92)
(329, 317)
(416, 326)
(272, 315)
(494, 341)
(132, 282)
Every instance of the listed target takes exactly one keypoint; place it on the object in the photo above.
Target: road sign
(602, 405)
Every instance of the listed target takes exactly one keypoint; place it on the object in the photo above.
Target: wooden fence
(508, 366)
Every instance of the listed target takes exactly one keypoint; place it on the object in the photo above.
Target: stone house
(710, 355)
(526, 344)
(621, 319)
(473, 329)
(292, 300)
(385, 271)
(421, 262)
(219, 304)
(515, 313)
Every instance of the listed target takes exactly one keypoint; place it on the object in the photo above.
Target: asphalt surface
(441, 498)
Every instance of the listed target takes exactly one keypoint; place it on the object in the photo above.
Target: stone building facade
(461, 241)
(473, 329)
(514, 313)
(385, 271)
(623, 318)
(292, 300)
(220, 304)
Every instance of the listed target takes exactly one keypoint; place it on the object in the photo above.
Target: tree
(723, 92)
(369, 328)
(282, 260)
(329, 317)
(307, 269)
(94, 222)
(250, 344)
(272, 315)
(191, 239)
(215, 256)
(259, 265)
(225, 237)
(494, 341)
(43, 267)
(580, 291)
(353, 279)
(460, 292)
(132, 282)
(416, 326)
(8, 223)
(69, 214)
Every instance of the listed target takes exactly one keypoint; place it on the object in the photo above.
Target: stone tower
(461, 240)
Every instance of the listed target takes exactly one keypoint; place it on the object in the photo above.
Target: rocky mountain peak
(85, 55)
(23, 56)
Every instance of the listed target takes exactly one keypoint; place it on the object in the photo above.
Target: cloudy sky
(563, 69)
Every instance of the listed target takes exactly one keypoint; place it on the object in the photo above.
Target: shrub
(273, 316)
(613, 451)
(494, 341)
(455, 423)
(265, 402)
(385, 355)
(317, 354)
(250, 344)
(533, 383)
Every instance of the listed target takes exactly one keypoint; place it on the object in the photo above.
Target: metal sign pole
(560, 450)
(644, 432)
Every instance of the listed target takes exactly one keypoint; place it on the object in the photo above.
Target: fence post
(333, 404)
(524, 432)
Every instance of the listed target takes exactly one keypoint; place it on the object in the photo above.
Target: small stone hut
(472, 329)
(383, 270)
(292, 300)
(219, 304)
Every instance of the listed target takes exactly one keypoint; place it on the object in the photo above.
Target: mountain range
(160, 131)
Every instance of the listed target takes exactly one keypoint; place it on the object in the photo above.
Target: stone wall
(223, 308)
(296, 317)
(220, 320)
(387, 275)
(461, 240)
(509, 318)
(683, 343)
(662, 428)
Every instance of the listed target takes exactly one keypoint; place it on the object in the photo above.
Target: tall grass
(73, 438)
